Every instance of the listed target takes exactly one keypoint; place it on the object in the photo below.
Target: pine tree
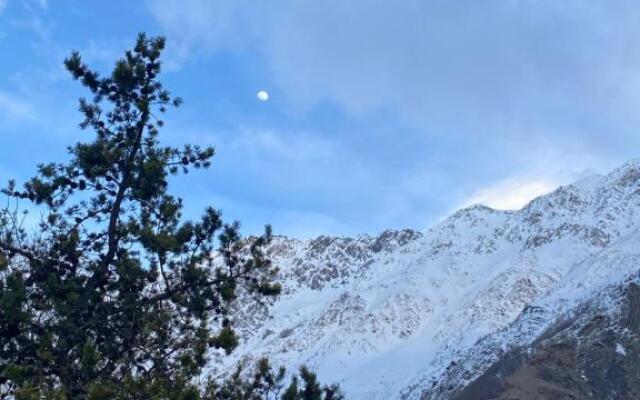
(311, 389)
(292, 392)
(268, 384)
(114, 295)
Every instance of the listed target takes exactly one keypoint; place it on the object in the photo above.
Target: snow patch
(620, 349)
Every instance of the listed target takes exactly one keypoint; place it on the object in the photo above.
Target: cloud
(306, 183)
(434, 63)
(511, 194)
(547, 165)
(14, 107)
(493, 101)
(294, 169)
(300, 224)
(216, 25)
(494, 78)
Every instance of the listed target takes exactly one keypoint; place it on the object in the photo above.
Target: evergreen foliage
(268, 384)
(114, 295)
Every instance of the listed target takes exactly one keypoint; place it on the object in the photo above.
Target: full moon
(263, 95)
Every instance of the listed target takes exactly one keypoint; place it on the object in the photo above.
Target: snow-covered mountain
(422, 315)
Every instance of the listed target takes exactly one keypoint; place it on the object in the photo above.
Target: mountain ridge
(387, 315)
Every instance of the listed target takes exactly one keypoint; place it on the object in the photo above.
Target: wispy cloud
(511, 194)
(291, 168)
(497, 70)
(500, 101)
(214, 25)
(383, 113)
(14, 106)
(432, 60)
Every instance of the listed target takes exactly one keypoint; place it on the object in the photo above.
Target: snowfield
(407, 314)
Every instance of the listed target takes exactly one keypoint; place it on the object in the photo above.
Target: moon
(262, 95)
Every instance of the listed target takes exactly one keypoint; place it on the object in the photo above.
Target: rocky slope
(487, 303)
(590, 354)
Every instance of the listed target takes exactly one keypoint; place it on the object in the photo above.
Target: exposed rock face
(594, 354)
(501, 304)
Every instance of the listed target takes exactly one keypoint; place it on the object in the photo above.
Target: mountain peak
(402, 313)
(627, 175)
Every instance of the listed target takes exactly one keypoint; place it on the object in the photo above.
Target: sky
(381, 113)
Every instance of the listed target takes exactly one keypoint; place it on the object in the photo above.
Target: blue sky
(382, 114)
